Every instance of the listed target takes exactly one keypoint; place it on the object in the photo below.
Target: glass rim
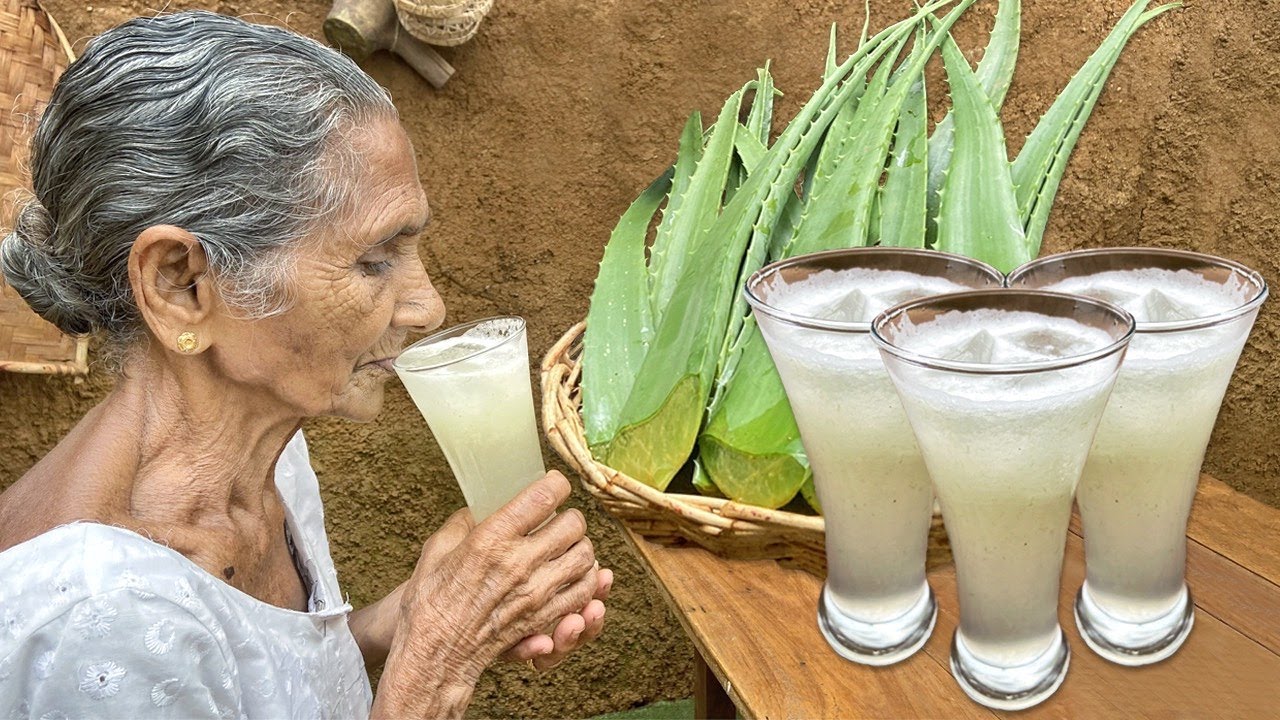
(1168, 326)
(454, 331)
(1024, 368)
(759, 304)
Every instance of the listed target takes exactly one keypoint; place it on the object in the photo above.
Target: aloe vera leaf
(876, 89)
(751, 428)
(755, 415)
(658, 424)
(978, 212)
(995, 74)
(810, 494)
(702, 483)
(1041, 163)
(669, 249)
(750, 150)
(619, 321)
(906, 183)
(866, 22)
(831, 64)
(907, 177)
(667, 383)
(792, 212)
(838, 214)
(760, 120)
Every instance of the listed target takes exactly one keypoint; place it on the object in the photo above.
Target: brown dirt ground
(562, 110)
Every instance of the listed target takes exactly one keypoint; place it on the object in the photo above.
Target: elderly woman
(234, 209)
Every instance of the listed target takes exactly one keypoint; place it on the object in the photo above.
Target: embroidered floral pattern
(12, 620)
(137, 585)
(101, 680)
(44, 665)
(165, 692)
(93, 618)
(64, 591)
(159, 637)
(185, 594)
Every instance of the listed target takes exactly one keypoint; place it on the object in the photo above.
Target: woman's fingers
(444, 540)
(565, 638)
(604, 583)
(534, 646)
(532, 507)
(556, 537)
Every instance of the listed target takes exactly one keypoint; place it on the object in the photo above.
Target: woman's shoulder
(100, 621)
(59, 570)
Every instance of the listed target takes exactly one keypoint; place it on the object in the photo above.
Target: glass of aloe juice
(1194, 313)
(471, 383)
(814, 312)
(1004, 390)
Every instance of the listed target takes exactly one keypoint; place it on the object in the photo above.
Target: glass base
(878, 643)
(1010, 688)
(1129, 643)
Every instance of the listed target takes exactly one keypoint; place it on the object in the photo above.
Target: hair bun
(46, 285)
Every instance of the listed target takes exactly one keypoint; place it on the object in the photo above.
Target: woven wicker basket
(33, 54)
(442, 22)
(729, 529)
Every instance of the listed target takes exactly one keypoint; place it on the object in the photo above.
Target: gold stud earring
(187, 342)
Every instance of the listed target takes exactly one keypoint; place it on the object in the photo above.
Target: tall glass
(1004, 390)
(1193, 314)
(471, 383)
(814, 312)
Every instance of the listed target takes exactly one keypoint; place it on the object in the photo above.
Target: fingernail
(575, 635)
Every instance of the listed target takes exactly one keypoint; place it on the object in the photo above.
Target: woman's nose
(420, 308)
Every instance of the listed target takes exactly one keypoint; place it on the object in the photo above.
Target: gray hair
(198, 120)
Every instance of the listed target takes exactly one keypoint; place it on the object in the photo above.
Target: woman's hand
(500, 582)
(571, 633)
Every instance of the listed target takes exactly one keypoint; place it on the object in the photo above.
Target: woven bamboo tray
(33, 53)
(724, 527)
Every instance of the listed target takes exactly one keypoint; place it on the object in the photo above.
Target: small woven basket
(724, 527)
(33, 55)
(442, 22)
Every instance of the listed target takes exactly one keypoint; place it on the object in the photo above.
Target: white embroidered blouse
(99, 622)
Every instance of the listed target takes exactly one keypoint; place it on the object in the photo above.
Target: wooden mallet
(361, 27)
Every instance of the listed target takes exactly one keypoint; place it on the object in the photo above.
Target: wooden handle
(423, 58)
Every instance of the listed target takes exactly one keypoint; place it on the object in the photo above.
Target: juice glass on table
(1193, 315)
(471, 383)
(814, 312)
(1004, 390)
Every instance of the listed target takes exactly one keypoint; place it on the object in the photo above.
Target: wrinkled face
(358, 288)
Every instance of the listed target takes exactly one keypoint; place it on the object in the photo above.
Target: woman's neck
(204, 454)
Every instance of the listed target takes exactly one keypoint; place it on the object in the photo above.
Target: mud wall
(562, 111)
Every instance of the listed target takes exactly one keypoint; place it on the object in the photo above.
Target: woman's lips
(384, 364)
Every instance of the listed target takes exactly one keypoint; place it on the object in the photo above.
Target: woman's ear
(169, 274)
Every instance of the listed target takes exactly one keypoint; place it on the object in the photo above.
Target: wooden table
(754, 627)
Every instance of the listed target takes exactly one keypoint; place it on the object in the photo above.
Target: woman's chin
(362, 406)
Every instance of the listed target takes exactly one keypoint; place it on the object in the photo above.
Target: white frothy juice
(474, 391)
(1142, 473)
(870, 479)
(1005, 452)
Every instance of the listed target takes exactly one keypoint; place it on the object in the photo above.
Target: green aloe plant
(671, 354)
